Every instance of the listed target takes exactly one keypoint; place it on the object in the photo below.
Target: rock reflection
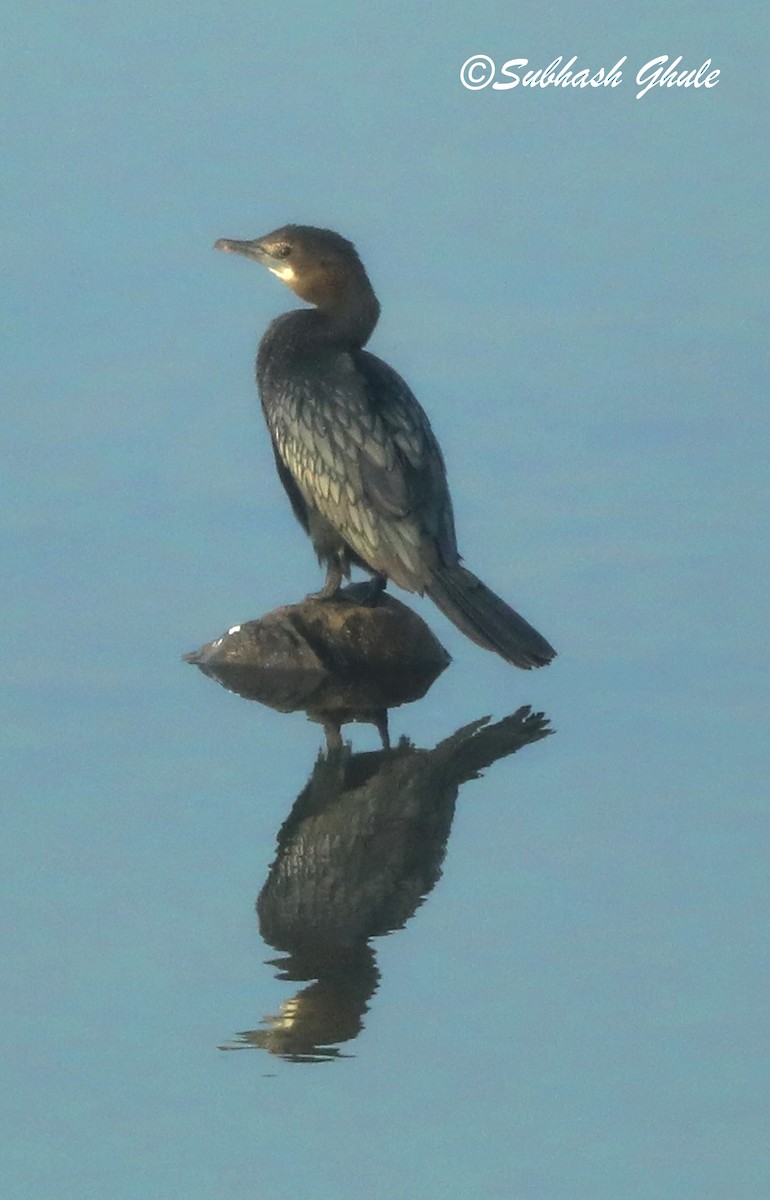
(361, 849)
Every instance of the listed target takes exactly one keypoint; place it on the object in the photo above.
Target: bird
(354, 449)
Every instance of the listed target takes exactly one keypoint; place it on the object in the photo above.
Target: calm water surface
(577, 1008)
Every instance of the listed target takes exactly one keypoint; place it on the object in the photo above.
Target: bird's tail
(486, 619)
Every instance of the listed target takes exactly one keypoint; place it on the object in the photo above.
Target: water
(573, 286)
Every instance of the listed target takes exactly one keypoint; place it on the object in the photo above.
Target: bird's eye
(282, 251)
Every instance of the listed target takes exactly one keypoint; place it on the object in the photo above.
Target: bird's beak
(248, 249)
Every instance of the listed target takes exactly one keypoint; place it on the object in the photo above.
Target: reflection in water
(331, 1010)
(359, 852)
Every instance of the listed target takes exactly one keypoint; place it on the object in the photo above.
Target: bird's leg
(332, 584)
(333, 735)
(381, 721)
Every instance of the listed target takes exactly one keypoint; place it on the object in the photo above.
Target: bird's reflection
(359, 852)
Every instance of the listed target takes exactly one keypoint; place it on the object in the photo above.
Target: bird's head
(319, 265)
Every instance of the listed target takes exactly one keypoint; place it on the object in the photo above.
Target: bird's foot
(331, 587)
(326, 593)
(366, 594)
(375, 588)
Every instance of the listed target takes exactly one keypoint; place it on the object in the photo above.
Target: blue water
(574, 286)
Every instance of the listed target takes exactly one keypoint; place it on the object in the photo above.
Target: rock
(339, 660)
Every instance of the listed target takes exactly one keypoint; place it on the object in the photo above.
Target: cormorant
(354, 449)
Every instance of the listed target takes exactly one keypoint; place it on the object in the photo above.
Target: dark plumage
(354, 449)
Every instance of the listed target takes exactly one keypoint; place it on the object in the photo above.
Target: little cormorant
(354, 449)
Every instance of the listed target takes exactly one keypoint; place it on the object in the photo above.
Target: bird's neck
(348, 317)
(305, 333)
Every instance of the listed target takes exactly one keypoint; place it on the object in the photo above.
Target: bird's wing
(404, 479)
(363, 454)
